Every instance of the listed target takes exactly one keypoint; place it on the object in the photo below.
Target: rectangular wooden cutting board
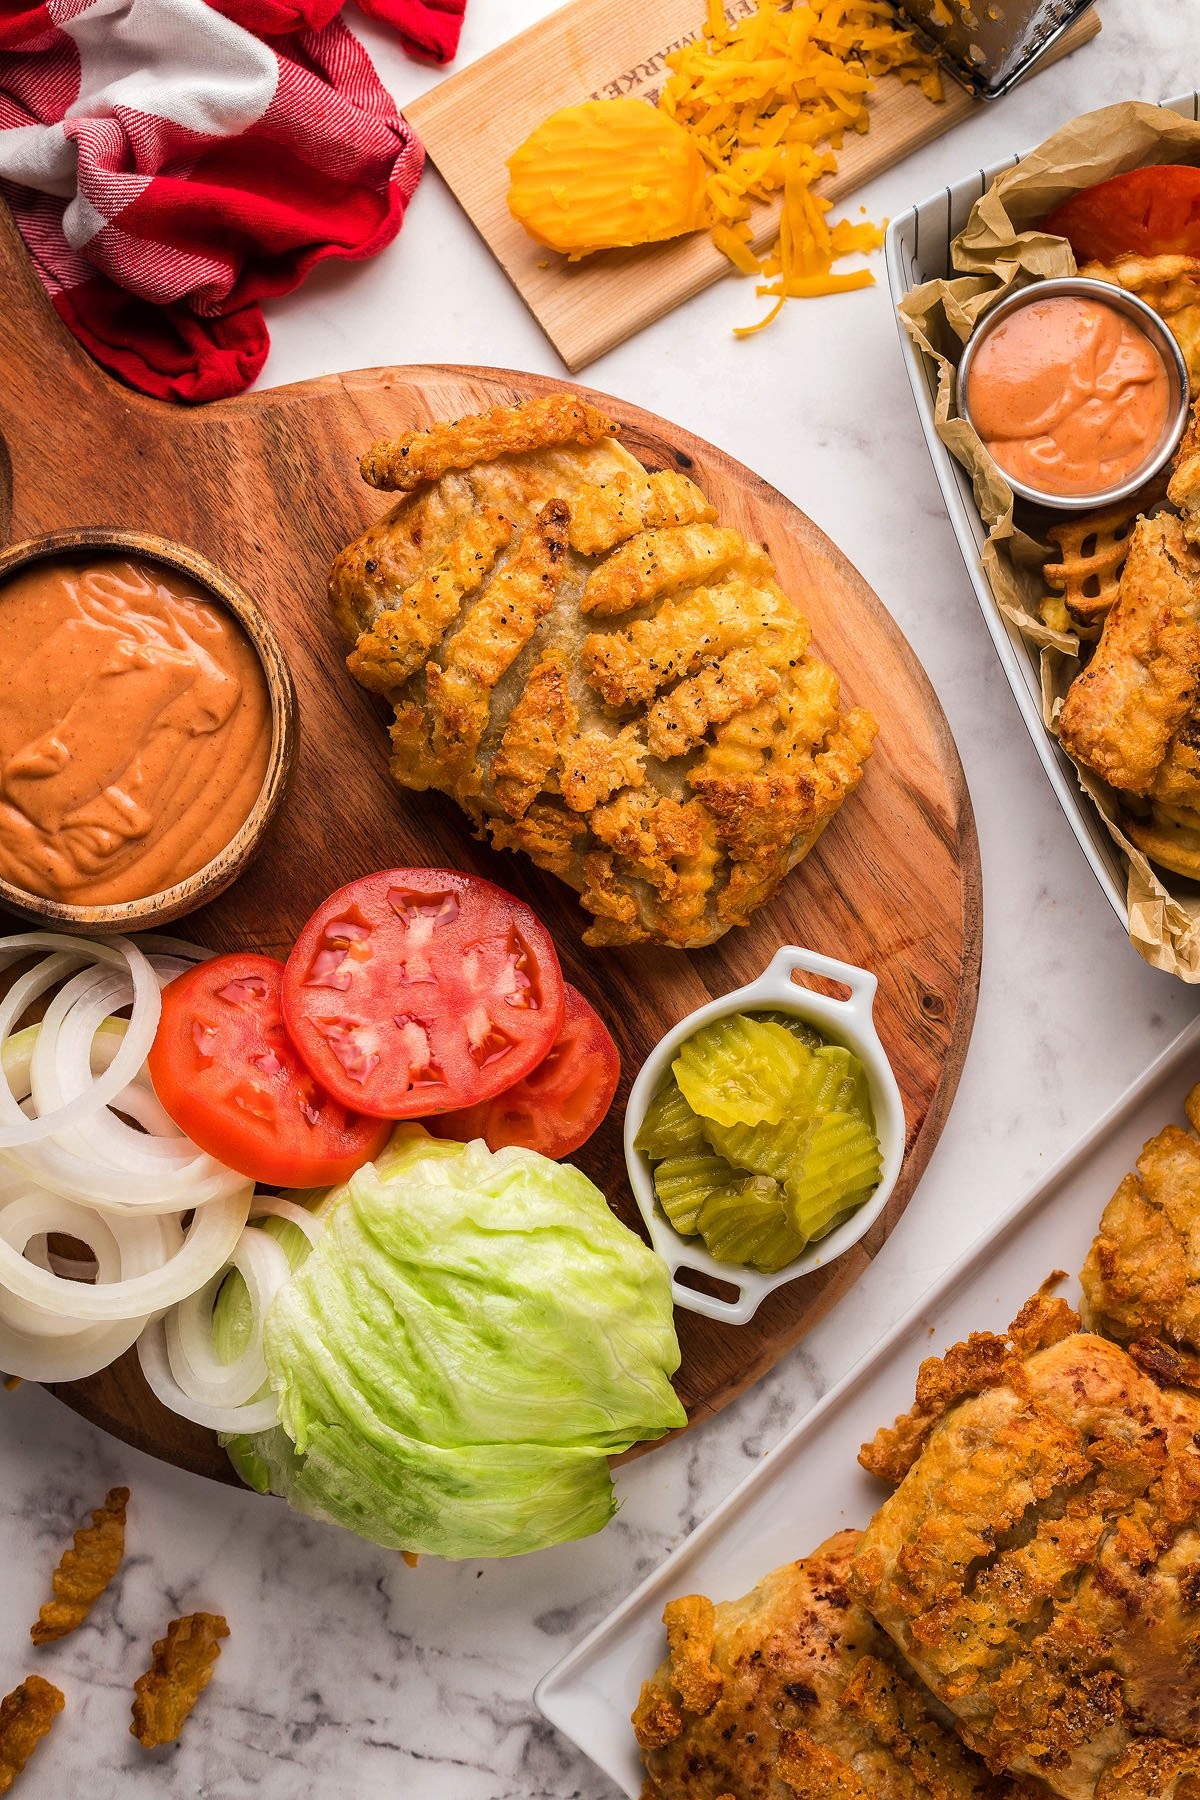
(601, 49)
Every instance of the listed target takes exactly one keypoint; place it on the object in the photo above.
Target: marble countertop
(348, 1673)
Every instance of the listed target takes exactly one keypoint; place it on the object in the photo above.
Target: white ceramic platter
(811, 1485)
(917, 249)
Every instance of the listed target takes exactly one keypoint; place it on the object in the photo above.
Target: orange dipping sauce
(1069, 395)
(135, 729)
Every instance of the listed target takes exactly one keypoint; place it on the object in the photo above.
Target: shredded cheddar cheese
(768, 100)
(751, 110)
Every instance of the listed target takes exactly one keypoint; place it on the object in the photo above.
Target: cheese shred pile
(768, 100)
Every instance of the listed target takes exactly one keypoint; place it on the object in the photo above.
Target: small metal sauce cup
(1160, 336)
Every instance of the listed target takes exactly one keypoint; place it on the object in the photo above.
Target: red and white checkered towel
(172, 163)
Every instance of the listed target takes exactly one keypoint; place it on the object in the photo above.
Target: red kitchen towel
(171, 163)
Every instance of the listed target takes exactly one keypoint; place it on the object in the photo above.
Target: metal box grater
(989, 44)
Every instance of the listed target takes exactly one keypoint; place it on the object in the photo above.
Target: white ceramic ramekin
(847, 1022)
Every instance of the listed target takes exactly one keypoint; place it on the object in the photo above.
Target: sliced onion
(200, 1372)
(274, 1206)
(158, 944)
(88, 1151)
(32, 1214)
(113, 953)
(40, 1354)
(71, 1268)
(204, 1249)
(70, 1357)
(110, 1163)
(141, 1247)
(257, 1415)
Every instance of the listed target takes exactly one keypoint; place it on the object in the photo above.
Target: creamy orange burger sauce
(135, 729)
(1069, 395)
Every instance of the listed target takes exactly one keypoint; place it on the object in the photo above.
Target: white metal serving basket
(917, 249)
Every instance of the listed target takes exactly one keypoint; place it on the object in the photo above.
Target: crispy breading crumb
(85, 1570)
(690, 1628)
(814, 1773)
(657, 1721)
(181, 1670)
(26, 1715)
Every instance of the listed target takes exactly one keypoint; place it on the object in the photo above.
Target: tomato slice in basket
(416, 991)
(557, 1107)
(1145, 212)
(228, 1074)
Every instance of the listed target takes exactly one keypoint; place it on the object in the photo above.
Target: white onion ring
(258, 1415)
(15, 1127)
(28, 1215)
(158, 943)
(87, 1150)
(66, 1358)
(205, 1248)
(110, 1164)
(260, 1260)
(82, 1349)
(71, 1268)
(274, 1206)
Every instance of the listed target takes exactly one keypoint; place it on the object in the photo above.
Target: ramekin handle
(862, 984)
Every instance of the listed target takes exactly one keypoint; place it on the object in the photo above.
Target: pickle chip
(683, 1184)
(749, 1222)
(835, 1172)
(740, 1070)
(670, 1127)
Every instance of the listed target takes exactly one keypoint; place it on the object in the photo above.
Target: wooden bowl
(197, 889)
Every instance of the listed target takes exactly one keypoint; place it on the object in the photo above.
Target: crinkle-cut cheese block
(597, 670)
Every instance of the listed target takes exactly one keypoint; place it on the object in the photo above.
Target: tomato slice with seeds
(557, 1107)
(228, 1074)
(415, 991)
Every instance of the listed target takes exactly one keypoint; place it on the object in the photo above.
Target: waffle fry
(85, 1570)
(1085, 578)
(1171, 285)
(1170, 837)
(181, 1670)
(26, 1715)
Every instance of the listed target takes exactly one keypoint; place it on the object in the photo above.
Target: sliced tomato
(416, 991)
(1146, 212)
(559, 1105)
(228, 1074)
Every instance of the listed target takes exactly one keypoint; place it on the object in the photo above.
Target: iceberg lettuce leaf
(472, 1337)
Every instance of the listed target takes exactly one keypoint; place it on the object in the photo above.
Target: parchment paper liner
(999, 248)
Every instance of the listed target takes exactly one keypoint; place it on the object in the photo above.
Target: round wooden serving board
(267, 487)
